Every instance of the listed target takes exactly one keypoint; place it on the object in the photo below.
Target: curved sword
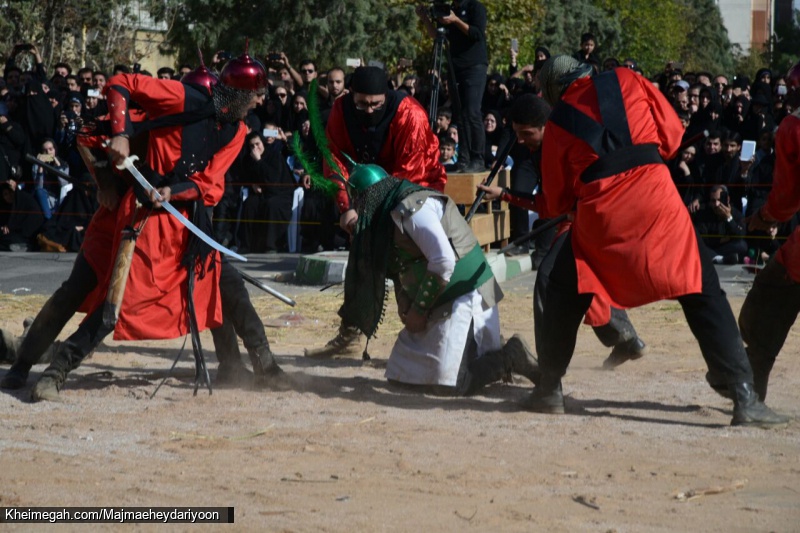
(128, 164)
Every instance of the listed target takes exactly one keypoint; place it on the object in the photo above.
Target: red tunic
(411, 150)
(633, 239)
(784, 198)
(155, 300)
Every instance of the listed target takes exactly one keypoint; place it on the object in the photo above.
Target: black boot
(233, 374)
(546, 397)
(347, 342)
(16, 377)
(761, 369)
(9, 344)
(232, 371)
(49, 385)
(521, 359)
(749, 411)
(629, 350)
(488, 368)
(268, 375)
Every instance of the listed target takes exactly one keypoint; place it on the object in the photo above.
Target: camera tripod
(440, 48)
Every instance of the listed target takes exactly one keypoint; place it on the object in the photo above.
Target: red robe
(155, 300)
(784, 198)
(633, 239)
(411, 150)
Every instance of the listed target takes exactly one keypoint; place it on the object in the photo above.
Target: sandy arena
(645, 448)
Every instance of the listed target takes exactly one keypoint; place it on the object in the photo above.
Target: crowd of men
(258, 124)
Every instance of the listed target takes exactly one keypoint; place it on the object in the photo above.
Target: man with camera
(466, 20)
(721, 227)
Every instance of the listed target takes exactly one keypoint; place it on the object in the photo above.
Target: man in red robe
(631, 241)
(194, 137)
(528, 118)
(372, 124)
(772, 305)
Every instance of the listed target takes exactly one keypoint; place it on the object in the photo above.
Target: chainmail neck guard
(365, 279)
(230, 104)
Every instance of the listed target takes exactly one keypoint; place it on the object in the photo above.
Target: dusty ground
(346, 453)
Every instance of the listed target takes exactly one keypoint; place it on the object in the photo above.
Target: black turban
(369, 80)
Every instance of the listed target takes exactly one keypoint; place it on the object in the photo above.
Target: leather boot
(233, 374)
(9, 344)
(748, 410)
(762, 367)
(488, 368)
(347, 342)
(49, 385)
(629, 350)
(232, 371)
(546, 397)
(521, 359)
(268, 375)
(17, 375)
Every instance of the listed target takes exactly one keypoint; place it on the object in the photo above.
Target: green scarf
(365, 279)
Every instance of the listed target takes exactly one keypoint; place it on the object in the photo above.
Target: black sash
(611, 139)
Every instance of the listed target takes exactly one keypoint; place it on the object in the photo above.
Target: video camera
(440, 8)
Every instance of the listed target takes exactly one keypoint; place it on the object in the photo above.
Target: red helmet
(244, 73)
(793, 76)
(201, 76)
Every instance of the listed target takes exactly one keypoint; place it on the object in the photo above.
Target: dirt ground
(644, 448)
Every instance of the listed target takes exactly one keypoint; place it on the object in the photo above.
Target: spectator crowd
(723, 170)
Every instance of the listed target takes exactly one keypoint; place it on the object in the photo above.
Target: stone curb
(329, 267)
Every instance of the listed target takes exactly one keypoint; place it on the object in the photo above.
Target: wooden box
(462, 188)
(490, 228)
(493, 225)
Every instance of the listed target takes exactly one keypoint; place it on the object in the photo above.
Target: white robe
(433, 356)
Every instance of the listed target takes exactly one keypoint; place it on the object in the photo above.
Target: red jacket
(784, 198)
(154, 305)
(410, 151)
(633, 239)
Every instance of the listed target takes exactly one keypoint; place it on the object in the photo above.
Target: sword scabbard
(119, 278)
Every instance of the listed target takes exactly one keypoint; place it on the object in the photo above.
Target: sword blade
(128, 164)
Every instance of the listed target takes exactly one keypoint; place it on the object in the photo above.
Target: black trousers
(57, 311)
(471, 135)
(560, 309)
(239, 317)
(768, 312)
(619, 328)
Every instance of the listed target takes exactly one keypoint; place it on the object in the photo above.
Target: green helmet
(363, 177)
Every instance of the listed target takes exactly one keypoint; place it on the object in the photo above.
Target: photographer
(49, 190)
(721, 227)
(470, 60)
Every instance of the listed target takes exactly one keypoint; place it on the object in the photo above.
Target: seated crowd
(269, 205)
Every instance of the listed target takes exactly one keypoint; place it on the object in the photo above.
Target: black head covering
(369, 80)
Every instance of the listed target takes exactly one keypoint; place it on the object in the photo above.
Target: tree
(563, 24)
(75, 31)
(707, 46)
(654, 31)
(509, 19)
(328, 31)
(786, 44)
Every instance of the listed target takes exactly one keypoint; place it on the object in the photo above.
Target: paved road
(42, 273)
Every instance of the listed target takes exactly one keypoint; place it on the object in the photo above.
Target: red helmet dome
(244, 73)
(201, 75)
(793, 76)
